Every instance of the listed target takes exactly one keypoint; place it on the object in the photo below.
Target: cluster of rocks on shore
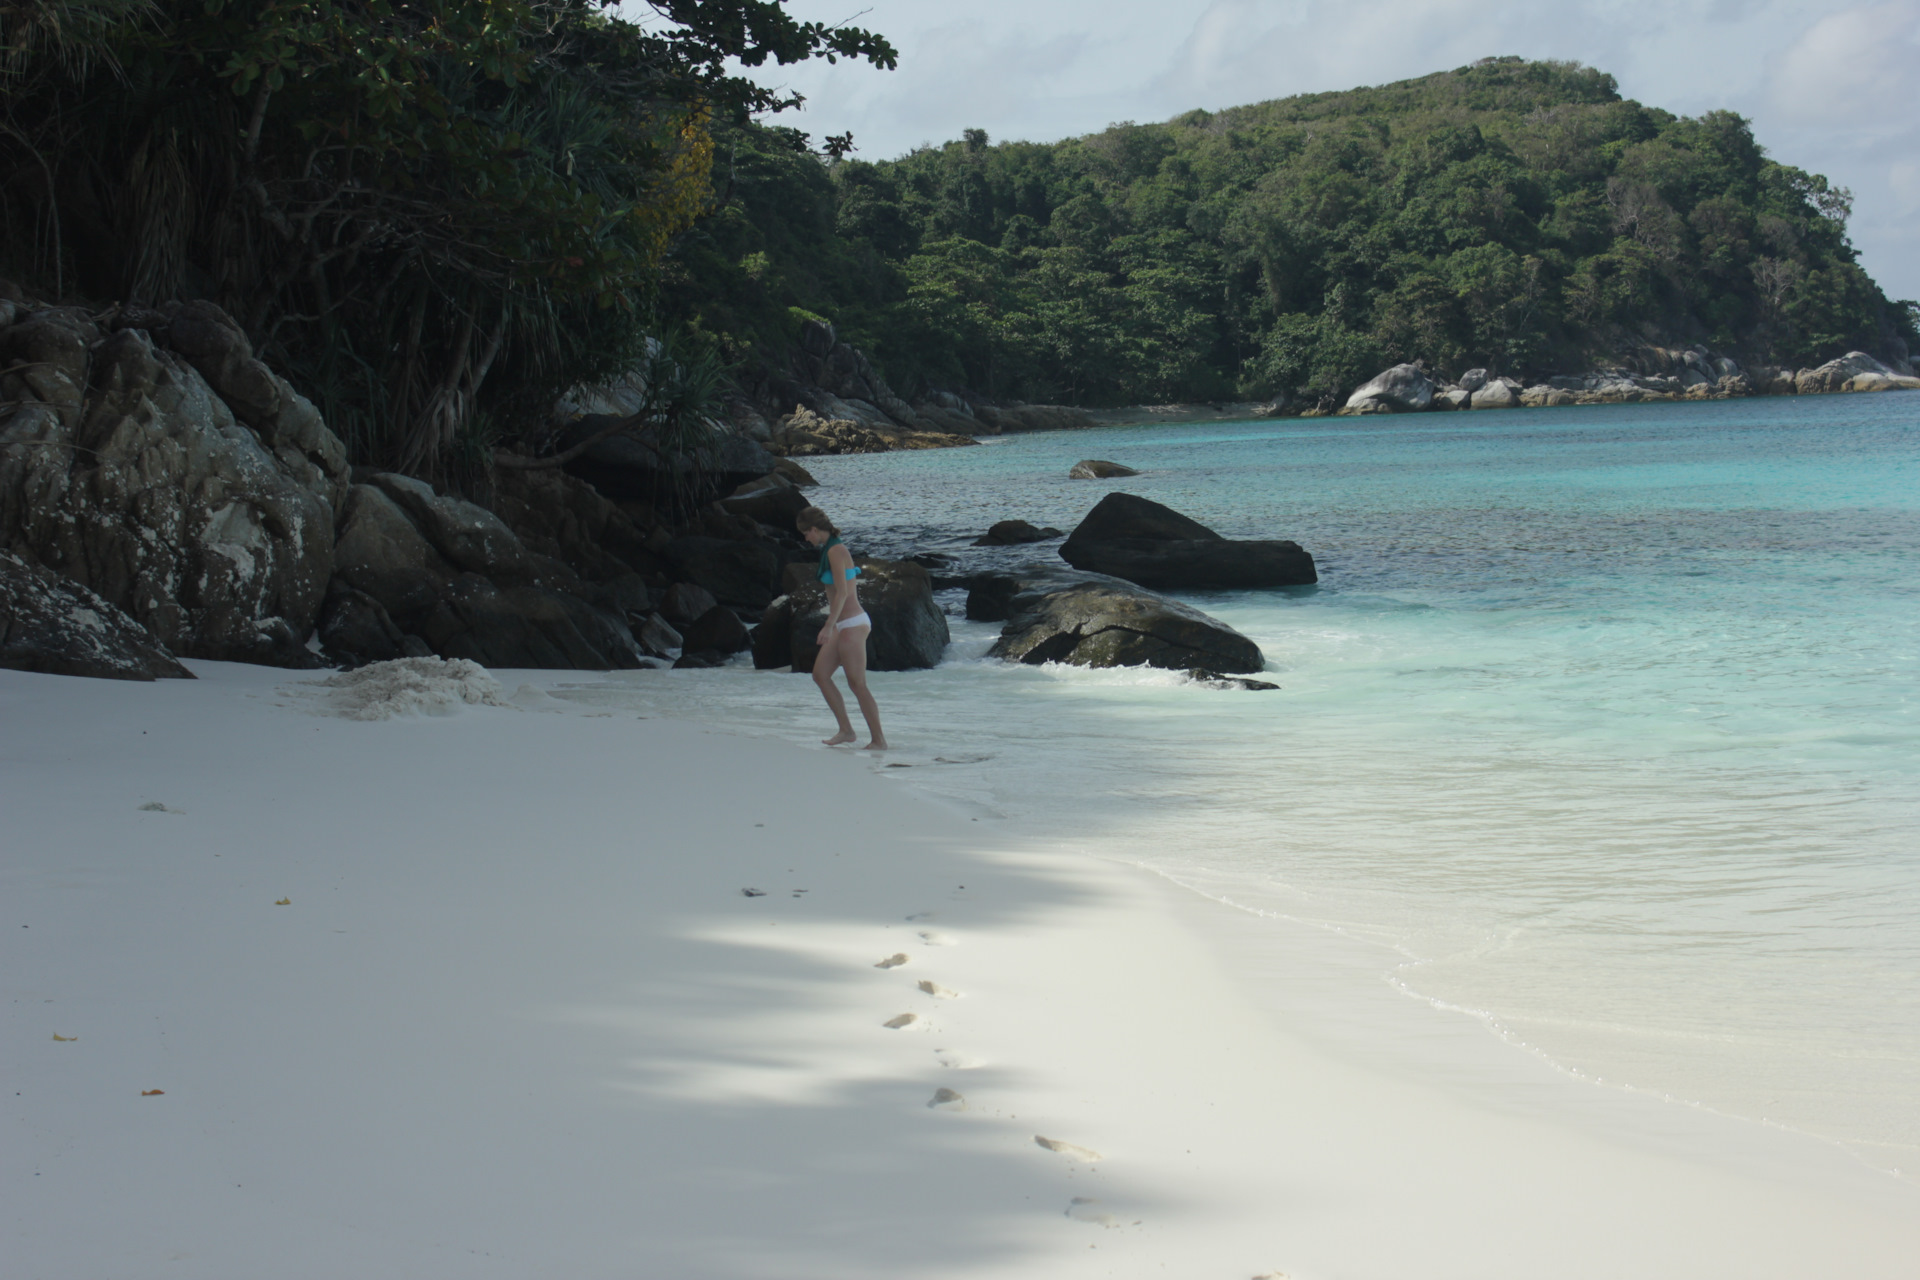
(1654, 373)
(164, 494)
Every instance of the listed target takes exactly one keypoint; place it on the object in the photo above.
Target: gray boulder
(566, 519)
(771, 501)
(55, 626)
(1495, 395)
(1473, 379)
(1854, 371)
(1095, 469)
(1403, 388)
(472, 538)
(121, 468)
(629, 468)
(1142, 541)
(286, 421)
(356, 629)
(682, 602)
(1092, 620)
(909, 630)
(531, 612)
(657, 637)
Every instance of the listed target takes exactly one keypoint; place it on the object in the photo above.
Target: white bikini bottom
(857, 620)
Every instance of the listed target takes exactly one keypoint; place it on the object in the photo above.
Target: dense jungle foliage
(431, 214)
(1515, 215)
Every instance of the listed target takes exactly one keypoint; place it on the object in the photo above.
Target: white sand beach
(542, 990)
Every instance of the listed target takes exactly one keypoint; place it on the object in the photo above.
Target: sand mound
(411, 686)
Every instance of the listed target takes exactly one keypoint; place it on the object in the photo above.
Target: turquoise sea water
(1601, 721)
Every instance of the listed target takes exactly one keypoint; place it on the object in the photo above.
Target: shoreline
(561, 1036)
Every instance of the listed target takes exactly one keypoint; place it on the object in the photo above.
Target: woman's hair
(815, 518)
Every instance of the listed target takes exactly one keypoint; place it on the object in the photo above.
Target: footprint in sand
(1067, 1149)
(935, 938)
(1083, 1209)
(955, 1060)
(893, 961)
(901, 1020)
(937, 991)
(947, 1100)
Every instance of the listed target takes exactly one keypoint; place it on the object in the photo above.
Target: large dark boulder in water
(1092, 620)
(909, 630)
(1008, 533)
(1131, 537)
(53, 625)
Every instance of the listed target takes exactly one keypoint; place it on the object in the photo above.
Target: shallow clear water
(1601, 720)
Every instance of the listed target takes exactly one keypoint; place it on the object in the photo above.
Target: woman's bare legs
(823, 667)
(852, 644)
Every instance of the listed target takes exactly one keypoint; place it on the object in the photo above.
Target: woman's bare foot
(878, 744)
(839, 739)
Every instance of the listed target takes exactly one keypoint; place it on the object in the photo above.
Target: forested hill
(1516, 215)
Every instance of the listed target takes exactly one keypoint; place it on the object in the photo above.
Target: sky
(1830, 86)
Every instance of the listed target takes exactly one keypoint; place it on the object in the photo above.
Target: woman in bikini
(843, 638)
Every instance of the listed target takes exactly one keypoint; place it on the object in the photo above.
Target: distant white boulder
(1401, 389)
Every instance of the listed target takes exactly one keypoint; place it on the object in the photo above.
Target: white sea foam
(409, 686)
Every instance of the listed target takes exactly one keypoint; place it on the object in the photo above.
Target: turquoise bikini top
(826, 569)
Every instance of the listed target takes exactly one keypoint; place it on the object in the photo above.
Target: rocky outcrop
(718, 630)
(1091, 620)
(1098, 469)
(737, 572)
(566, 519)
(771, 500)
(1013, 533)
(451, 576)
(633, 467)
(805, 434)
(55, 626)
(1130, 537)
(909, 630)
(1497, 393)
(1405, 388)
(1643, 374)
(838, 371)
(151, 458)
(1013, 418)
(1855, 371)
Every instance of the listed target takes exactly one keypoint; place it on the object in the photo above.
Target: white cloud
(1853, 69)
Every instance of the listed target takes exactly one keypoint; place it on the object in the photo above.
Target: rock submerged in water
(1095, 469)
(55, 626)
(1131, 537)
(1214, 680)
(1092, 620)
(1012, 533)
